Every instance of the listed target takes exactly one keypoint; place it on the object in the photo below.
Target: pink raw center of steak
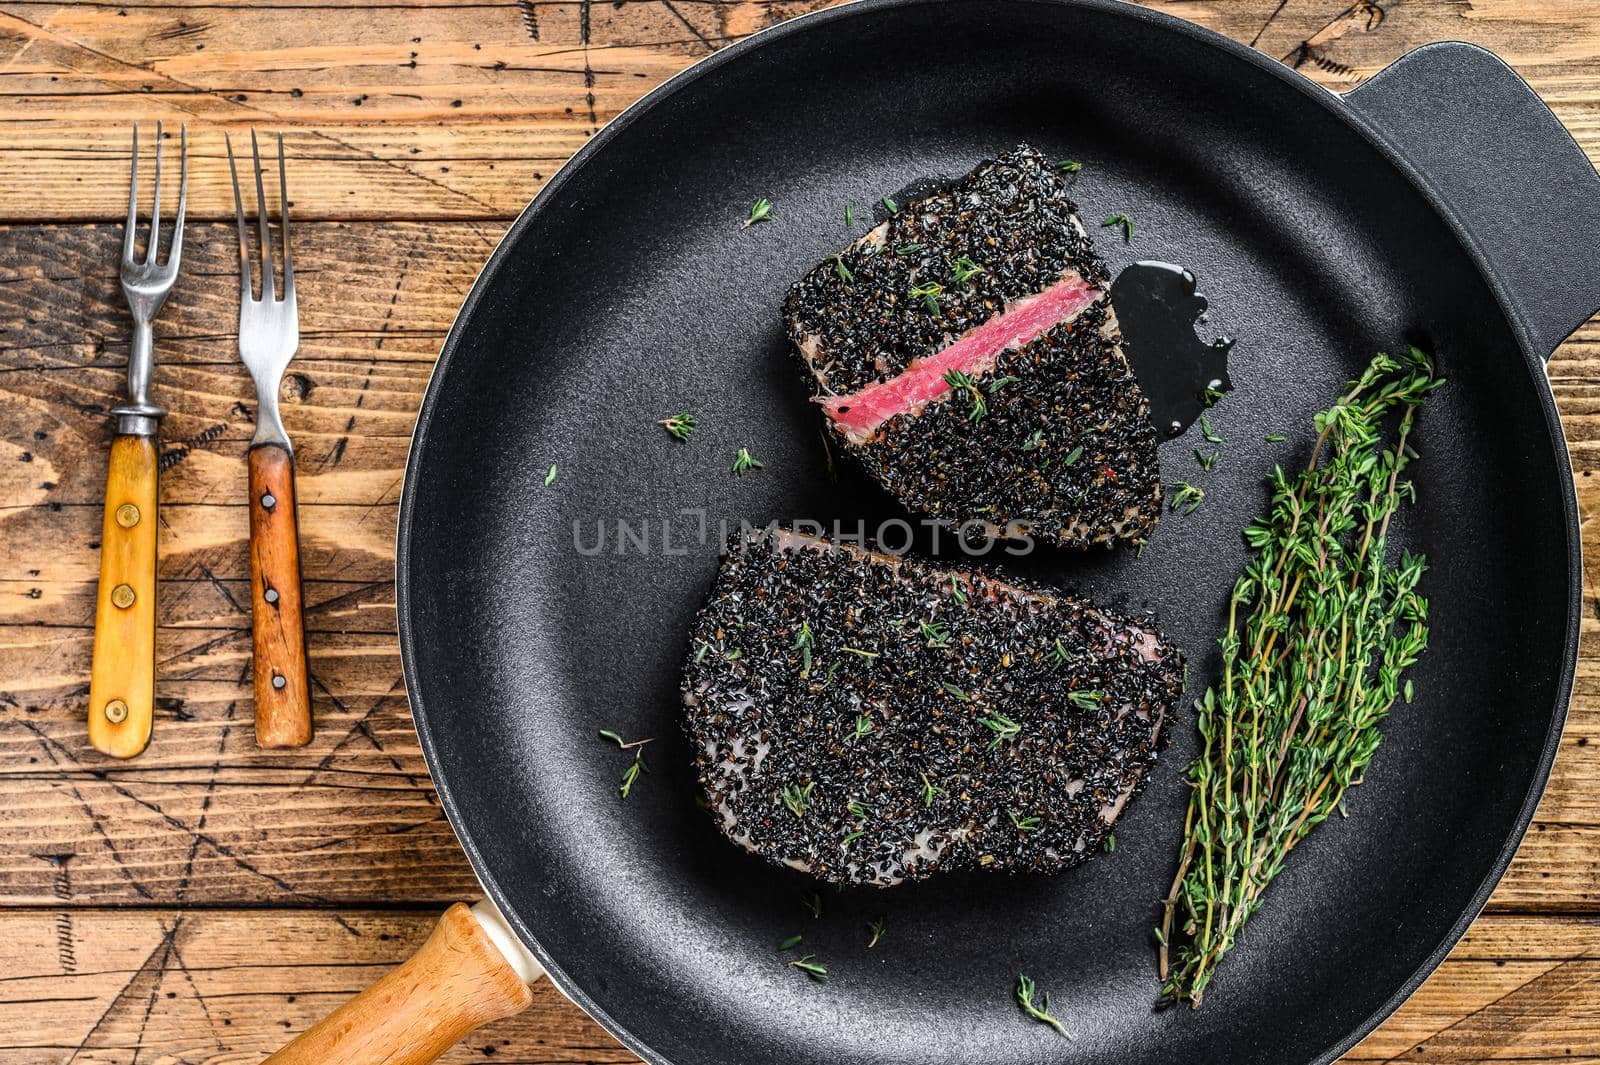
(974, 354)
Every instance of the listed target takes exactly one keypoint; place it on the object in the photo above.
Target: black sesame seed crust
(1011, 215)
(893, 642)
(1015, 471)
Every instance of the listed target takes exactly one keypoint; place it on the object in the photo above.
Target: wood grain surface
(207, 900)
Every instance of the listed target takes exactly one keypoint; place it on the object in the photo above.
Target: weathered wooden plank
(463, 109)
(225, 986)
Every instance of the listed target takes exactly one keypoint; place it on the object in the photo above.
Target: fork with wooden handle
(269, 334)
(122, 677)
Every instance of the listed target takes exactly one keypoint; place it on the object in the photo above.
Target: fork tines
(129, 230)
(285, 292)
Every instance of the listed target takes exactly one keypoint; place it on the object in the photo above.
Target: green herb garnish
(1073, 456)
(1275, 438)
(1023, 824)
(761, 212)
(1206, 431)
(804, 642)
(1206, 460)
(1187, 498)
(816, 971)
(908, 249)
(1069, 166)
(849, 215)
(928, 292)
(1321, 625)
(1034, 441)
(812, 902)
(1125, 222)
(1000, 382)
(797, 797)
(1059, 655)
(961, 382)
(936, 633)
(1026, 991)
(1086, 700)
(744, 462)
(963, 270)
(842, 270)
(631, 774)
(1001, 725)
(859, 808)
(680, 425)
(790, 943)
(550, 478)
(863, 727)
(951, 689)
(876, 928)
(890, 206)
(929, 790)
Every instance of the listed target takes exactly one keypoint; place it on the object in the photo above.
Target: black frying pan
(1439, 204)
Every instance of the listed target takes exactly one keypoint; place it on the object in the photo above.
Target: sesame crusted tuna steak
(870, 719)
(966, 352)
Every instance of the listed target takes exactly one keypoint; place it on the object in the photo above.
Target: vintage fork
(269, 333)
(123, 671)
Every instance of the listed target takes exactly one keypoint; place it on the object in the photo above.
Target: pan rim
(1332, 103)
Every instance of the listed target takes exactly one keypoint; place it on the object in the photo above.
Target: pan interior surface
(630, 292)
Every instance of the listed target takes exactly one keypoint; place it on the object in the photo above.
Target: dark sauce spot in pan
(1158, 308)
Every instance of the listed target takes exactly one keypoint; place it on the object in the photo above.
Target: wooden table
(208, 899)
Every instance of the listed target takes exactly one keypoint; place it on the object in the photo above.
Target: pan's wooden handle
(283, 690)
(122, 678)
(459, 979)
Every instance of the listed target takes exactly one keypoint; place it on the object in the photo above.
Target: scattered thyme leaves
(550, 478)
(928, 292)
(790, 943)
(1206, 459)
(1086, 700)
(1001, 725)
(1187, 497)
(681, 426)
(1275, 438)
(797, 797)
(811, 968)
(890, 206)
(875, 928)
(1034, 441)
(1023, 824)
(744, 462)
(842, 270)
(963, 270)
(1125, 222)
(1206, 431)
(761, 212)
(962, 382)
(1035, 1007)
(812, 902)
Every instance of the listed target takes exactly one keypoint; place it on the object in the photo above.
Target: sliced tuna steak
(869, 719)
(965, 351)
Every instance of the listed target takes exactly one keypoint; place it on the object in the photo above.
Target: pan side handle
(472, 970)
(1513, 175)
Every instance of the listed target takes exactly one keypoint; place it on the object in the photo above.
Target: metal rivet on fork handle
(127, 515)
(116, 711)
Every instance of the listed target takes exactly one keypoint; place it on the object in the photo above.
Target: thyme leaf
(1125, 222)
(680, 425)
(744, 462)
(1036, 1007)
(761, 212)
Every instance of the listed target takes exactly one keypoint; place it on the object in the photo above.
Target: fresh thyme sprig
(929, 790)
(842, 270)
(963, 270)
(1001, 725)
(963, 382)
(863, 727)
(1023, 824)
(1086, 700)
(744, 462)
(631, 774)
(1039, 1011)
(680, 425)
(797, 797)
(936, 633)
(1321, 624)
(804, 642)
(928, 292)
(761, 212)
(1125, 222)
(1186, 498)
(1206, 459)
(811, 968)
(876, 928)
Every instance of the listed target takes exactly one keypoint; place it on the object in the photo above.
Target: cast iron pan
(1439, 204)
